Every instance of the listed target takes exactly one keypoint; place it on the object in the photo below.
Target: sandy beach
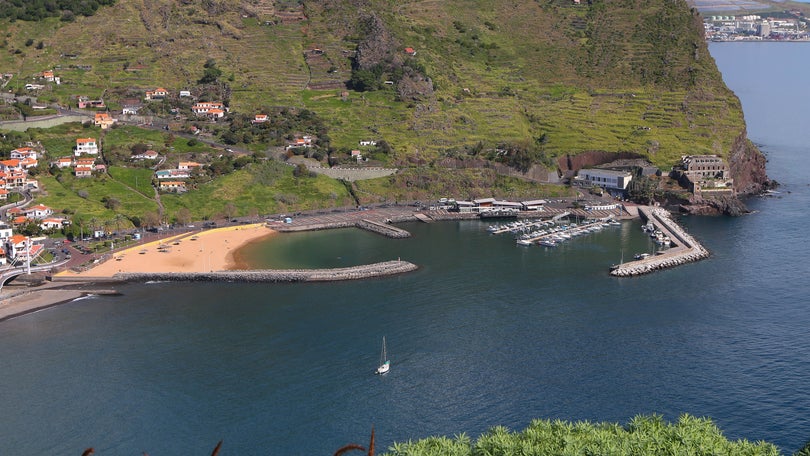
(199, 251)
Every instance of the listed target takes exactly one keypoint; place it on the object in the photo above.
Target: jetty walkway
(685, 250)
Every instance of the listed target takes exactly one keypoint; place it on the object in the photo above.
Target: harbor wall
(687, 249)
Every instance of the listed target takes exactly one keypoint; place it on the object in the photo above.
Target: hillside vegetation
(628, 75)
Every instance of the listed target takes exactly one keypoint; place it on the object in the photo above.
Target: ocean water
(485, 333)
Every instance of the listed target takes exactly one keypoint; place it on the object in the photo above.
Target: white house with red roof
(40, 211)
(157, 94)
(23, 152)
(63, 162)
(260, 118)
(53, 223)
(83, 171)
(86, 146)
(188, 166)
(202, 108)
(28, 163)
(12, 164)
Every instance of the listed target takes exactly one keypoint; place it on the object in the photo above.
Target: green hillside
(630, 75)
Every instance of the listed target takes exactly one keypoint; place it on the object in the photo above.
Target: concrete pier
(383, 228)
(686, 249)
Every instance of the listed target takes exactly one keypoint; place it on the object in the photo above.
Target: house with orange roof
(28, 163)
(410, 51)
(83, 171)
(104, 120)
(86, 146)
(18, 247)
(52, 223)
(157, 94)
(260, 118)
(40, 211)
(12, 164)
(187, 166)
(202, 108)
(63, 162)
(47, 75)
(14, 179)
(86, 161)
(3, 194)
(173, 186)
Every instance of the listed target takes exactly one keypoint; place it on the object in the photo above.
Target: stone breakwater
(686, 249)
(383, 228)
(383, 269)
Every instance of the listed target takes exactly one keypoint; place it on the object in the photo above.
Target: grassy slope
(625, 75)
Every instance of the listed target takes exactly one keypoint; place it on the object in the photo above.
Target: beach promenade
(208, 255)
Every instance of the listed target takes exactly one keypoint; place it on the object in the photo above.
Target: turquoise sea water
(485, 333)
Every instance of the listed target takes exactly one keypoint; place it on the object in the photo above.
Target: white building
(606, 178)
(86, 146)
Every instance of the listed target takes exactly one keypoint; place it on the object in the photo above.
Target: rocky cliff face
(747, 166)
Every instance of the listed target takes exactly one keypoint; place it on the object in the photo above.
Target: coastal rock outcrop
(747, 166)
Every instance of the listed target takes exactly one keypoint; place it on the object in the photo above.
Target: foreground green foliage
(644, 435)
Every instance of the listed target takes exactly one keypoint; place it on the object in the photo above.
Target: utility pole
(28, 255)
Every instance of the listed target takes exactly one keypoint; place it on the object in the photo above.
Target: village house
(86, 146)
(11, 165)
(410, 51)
(173, 186)
(172, 174)
(24, 152)
(39, 212)
(83, 171)
(260, 118)
(104, 120)
(3, 194)
(86, 103)
(47, 75)
(185, 93)
(63, 162)
(203, 107)
(357, 155)
(305, 141)
(18, 247)
(28, 163)
(13, 179)
(130, 106)
(368, 143)
(146, 155)
(157, 94)
(52, 223)
(188, 166)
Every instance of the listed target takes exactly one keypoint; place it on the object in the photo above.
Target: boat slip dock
(685, 248)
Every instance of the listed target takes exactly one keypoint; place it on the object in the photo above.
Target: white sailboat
(385, 364)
